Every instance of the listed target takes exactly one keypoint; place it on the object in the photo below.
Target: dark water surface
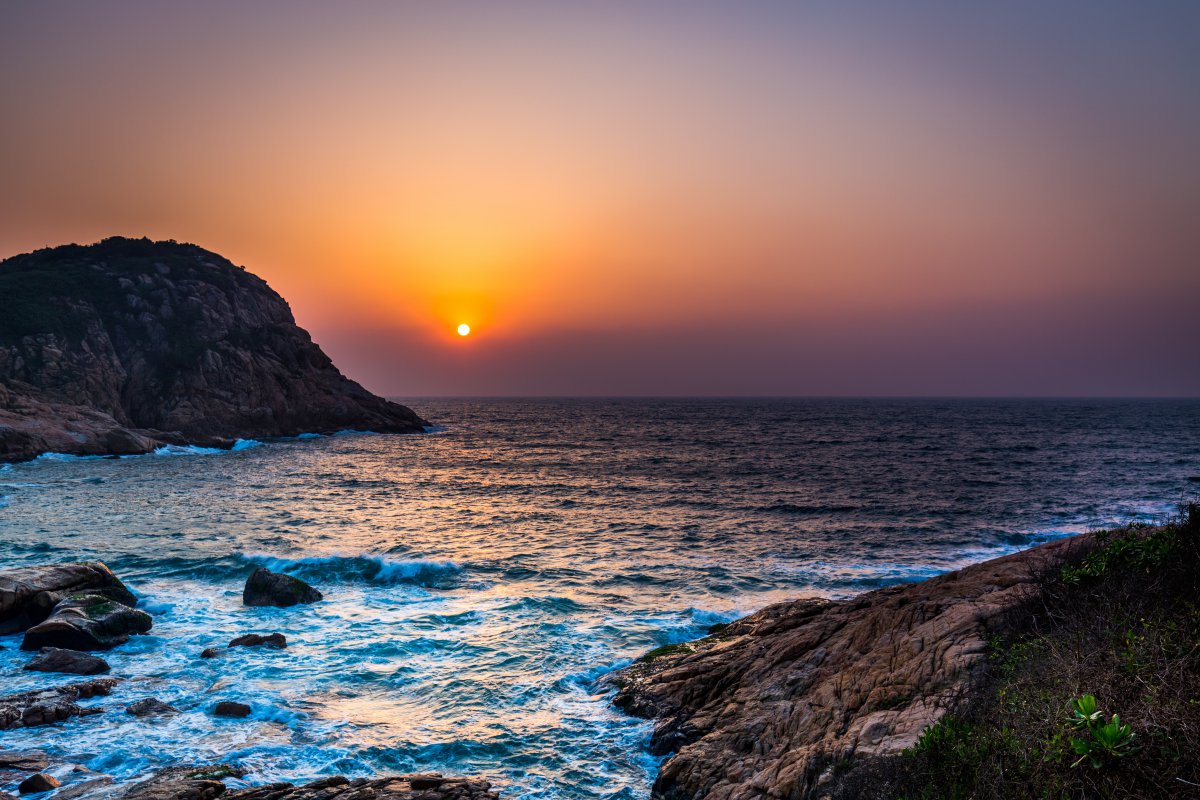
(480, 578)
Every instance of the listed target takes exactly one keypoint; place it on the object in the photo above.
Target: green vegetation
(665, 650)
(1118, 631)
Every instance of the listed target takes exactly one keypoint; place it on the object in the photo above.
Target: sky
(650, 198)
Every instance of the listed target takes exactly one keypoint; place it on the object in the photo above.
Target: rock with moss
(29, 594)
(266, 588)
(87, 622)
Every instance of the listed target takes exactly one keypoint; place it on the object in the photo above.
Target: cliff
(129, 344)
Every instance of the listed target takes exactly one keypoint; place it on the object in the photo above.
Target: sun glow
(464, 329)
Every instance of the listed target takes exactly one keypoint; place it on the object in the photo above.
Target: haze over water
(479, 579)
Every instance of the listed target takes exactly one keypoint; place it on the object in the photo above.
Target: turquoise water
(479, 579)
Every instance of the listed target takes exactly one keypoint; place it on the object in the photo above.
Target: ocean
(481, 578)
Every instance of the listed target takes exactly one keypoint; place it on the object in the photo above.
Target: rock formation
(29, 594)
(266, 588)
(47, 706)
(772, 704)
(87, 622)
(126, 345)
(71, 662)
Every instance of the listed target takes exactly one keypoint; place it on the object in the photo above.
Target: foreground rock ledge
(771, 704)
(204, 783)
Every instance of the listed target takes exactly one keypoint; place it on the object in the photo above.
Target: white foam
(186, 450)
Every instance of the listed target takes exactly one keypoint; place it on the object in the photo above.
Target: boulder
(229, 708)
(150, 706)
(87, 622)
(266, 588)
(210, 652)
(54, 659)
(274, 641)
(29, 594)
(38, 782)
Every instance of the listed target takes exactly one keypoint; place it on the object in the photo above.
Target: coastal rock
(29, 594)
(204, 783)
(229, 708)
(273, 641)
(54, 659)
(38, 782)
(128, 345)
(771, 705)
(149, 707)
(87, 622)
(266, 588)
(47, 706)
(24, 760)
(210, 652)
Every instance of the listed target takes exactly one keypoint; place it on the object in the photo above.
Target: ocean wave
(360, 568)
(52, 456)
(185, 450)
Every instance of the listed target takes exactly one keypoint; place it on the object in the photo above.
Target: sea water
(481, 578)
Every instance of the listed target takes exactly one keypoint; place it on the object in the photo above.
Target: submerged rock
(47, 706)
(210, 652)
(87, 622)
(774, 704)
(230, 708)
(266, 588)
(128, 345)
(39, 782)
(54, 659)
(29, 594)
(150, 706)
(273, 641)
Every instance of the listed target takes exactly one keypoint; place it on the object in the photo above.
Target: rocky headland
(127, 345)
(916, 690)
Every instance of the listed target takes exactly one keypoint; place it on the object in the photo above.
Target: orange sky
(801, 191)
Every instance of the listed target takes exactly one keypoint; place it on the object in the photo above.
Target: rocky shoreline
(783, 702)
(67, 612)
(772, 705)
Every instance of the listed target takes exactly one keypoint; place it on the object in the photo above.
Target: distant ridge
(127, 345)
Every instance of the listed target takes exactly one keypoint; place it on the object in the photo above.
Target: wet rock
(47, 706)
(266, 588)
(38, 782)
(210, 652)
(229, 708)
(181, 347)
(274, 641)
(23, 760)
(87, 622)
(205, 782)
(184, 783)
(96, 788)
(73, 662)
(150, 706)
(29, 594)
(771, 703)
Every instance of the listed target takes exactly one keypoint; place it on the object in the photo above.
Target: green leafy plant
(1105, 742)
(1085, 713)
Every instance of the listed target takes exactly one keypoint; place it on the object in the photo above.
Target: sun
(464, 329)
